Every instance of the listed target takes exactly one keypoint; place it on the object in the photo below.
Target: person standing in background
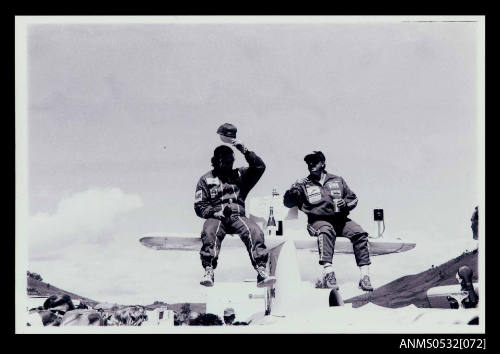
(475, 223)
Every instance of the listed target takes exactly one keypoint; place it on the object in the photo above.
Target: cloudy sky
(121, 121)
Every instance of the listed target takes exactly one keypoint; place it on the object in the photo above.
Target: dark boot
(364, 283)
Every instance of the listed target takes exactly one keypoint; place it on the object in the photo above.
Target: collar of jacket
(328, 177)
(217, 173)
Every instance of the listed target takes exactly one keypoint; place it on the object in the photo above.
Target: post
(288, 281)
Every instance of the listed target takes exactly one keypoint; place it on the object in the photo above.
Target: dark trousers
(330, 229)
(214, 231)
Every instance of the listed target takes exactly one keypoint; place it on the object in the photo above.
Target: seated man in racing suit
(327, 200)
(220, 199)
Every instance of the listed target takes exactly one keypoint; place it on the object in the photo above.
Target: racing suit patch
(334, 189)
(333, 185)
(213, 186)
(313, 194)
(213, 192)
(198, 196)
(213, 181)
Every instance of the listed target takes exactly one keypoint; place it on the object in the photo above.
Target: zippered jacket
(214, 192)
(316, 200)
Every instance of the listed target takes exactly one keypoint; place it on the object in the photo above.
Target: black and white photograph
(250, 174)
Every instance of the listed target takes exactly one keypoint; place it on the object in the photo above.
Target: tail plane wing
(163, 241)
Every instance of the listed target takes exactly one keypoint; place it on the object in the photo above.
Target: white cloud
(84, 217)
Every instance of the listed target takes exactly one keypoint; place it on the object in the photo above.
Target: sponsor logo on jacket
(213, 184)
(313, 194)
(335, 190)
(213, 181)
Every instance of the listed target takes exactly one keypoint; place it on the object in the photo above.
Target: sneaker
(208, 277)
(364, 283)
(329, 281)
(263, 278)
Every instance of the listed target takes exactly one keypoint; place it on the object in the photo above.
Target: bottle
(279, 227)
(336, 208)
(271, 223)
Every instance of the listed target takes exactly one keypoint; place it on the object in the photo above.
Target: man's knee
(253, 230)
(360, 246)
(256, 232)
(327, 230)
(210, 229)
(359, 237)
(321, 227)
(208, 238)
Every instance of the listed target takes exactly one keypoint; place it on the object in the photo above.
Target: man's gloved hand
(312, 231)
(341, 203)
(299, 182)
(222, 214)
(239, 145)
(219, 215)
